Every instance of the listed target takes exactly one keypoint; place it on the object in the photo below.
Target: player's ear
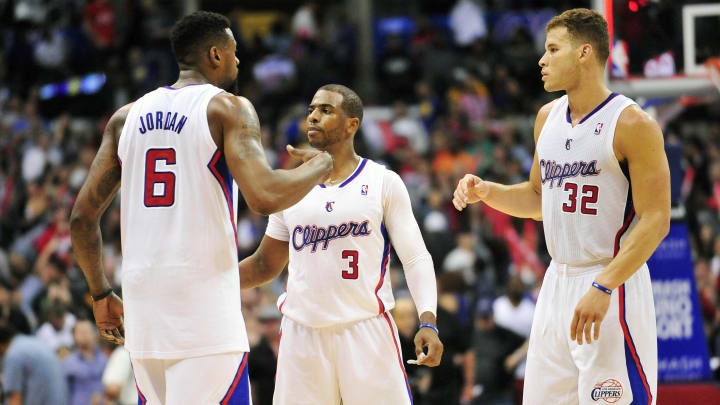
(352, 125)
(585, 52)
(214, 54)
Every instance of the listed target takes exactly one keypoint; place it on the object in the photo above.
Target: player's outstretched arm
(639, 141)
(265, 264)
(521, 200)
(95, 196)
(417, 263)
(265, 190)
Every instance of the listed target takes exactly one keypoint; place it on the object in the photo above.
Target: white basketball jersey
(339, 251)
(180, 281)
(586, 198)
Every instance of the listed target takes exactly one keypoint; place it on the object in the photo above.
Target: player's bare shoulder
(542, 116)
(117, 122)
(635, 129)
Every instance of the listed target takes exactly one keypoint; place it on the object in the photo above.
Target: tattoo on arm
(248, 142)
(101, 185)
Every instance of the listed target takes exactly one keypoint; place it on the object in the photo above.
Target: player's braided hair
(351, 104)
(199, 29)
(587, 26)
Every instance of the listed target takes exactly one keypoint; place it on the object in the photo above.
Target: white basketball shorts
(207, 380)
(360, 363)
(620, 368)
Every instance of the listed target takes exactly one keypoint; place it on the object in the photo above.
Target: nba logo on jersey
(329, 206)
(363, 189)
(598, 128)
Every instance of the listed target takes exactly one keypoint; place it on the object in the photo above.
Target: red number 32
(589, 196)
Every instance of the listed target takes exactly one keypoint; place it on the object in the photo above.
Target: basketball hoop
(713, 66)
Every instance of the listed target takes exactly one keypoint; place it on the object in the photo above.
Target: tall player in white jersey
(176, 151)
(593, 338)
(339, 341)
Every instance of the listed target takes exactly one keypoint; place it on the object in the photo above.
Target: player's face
(325, 120)
(230, 62)
(559, 62)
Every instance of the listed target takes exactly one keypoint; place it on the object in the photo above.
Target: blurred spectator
(410, 127)
(31, 372)
(467, 22)
(84, 367)
(56, 332)
(397, 72)
(492, 345)
(118, 379)
(406, 320)
(100, 23)
(263, 361)
(462, 258)
(304, 21)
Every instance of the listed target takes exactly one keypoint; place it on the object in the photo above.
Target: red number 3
(153, 177)
(352, 273)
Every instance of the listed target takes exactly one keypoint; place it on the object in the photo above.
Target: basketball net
(713, 66)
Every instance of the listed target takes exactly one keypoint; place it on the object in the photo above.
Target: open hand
(108, 314)
(470, 189)
(590, 310)
(426, 337)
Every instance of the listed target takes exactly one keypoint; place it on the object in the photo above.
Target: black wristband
(97, 298)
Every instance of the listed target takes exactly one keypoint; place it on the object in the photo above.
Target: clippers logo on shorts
(551, 170)
(363, 189)
(329, 206)
(609, 391)
(313, 235)
(598, 128)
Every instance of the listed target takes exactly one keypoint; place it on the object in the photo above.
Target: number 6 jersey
(339, 247)
(180, 281)
(586, 194)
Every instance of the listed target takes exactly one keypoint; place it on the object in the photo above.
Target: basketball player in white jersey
(593, 338)
(176, 152)
(338, 339)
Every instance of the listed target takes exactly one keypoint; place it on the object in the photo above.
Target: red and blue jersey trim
(383, 267)
(239, 391)
(357, 171)
(141, 398)
(219, 168)
(399, 357)
(636, 374)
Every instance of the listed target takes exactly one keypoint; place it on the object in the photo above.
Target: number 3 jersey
(586, 194)
(180, 281)
(339, 247)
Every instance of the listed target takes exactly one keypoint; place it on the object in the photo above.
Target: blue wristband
(602, 288)
(431, 326)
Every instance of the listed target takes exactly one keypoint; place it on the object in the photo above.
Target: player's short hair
(199, 29)
(351, 104)
(587, 26)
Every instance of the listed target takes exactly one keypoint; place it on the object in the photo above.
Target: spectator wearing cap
(263, 361)
(31, 372)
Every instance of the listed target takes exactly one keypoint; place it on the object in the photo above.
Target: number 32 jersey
(586, 195)
(180, 281)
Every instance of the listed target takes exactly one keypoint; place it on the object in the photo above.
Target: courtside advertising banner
(682, 348)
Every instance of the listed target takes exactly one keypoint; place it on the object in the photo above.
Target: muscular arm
(95, 196)
(265, 264)
(521, 200)
(265, 190)
(639, 141)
